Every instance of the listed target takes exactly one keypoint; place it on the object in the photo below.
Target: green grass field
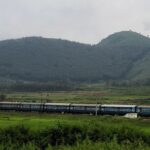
(37, 120)
(89, 94)
(36, 131)
(42, 120)
(72, 132)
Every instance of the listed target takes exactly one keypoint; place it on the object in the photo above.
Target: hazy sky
(86, 21)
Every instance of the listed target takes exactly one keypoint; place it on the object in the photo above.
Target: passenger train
(76, 108)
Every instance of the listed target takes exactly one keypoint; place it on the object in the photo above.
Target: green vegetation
(2, 97)
(45, 131)
(112, 145)
(38, 69)
(88, 93)
(121, 56)
(71, 132)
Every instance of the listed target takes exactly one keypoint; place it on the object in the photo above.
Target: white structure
(131, 115)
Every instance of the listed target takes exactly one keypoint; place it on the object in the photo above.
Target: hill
(127, 50)
(121, 56)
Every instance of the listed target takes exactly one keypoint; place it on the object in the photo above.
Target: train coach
(17, 106)
(76, 108)
(118, 109)
(10, 106)
(57, 107)
(143, 110)
(85, 108)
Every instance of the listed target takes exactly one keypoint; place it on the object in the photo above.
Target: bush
(72, 135)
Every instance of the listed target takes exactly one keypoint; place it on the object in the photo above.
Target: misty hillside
(121, 56)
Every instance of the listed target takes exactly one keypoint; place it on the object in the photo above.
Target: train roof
(145, 106)
(20, 103)
(57, 104)
(10, 102)
(85, 105)
(32, 103)
(113, 105)
(73, 104)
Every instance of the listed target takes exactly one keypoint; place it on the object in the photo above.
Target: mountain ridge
(47, 59)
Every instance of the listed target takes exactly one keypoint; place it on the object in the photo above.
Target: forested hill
(121, 56)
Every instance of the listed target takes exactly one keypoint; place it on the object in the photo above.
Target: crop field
(72, 132)
(88, 94)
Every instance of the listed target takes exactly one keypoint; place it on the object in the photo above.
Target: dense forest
(122, 56)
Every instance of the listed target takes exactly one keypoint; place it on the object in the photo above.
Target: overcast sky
(85, 21)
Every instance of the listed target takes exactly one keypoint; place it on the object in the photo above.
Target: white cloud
(80, 20)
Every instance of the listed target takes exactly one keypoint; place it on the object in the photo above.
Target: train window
(133, 109)
(63, 107)
(79, 108)
(118, 109)
(71, 107)
(51, 107)
(91, 108)
(110, 109)
(125, 109)
(35, 106)
(26, 106)
(6, 105)
(102, 109)
(145, 109)
(13, 106)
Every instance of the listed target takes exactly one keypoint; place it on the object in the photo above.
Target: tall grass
(73, 137)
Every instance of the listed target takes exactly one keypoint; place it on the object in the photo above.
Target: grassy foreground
(72, 132)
